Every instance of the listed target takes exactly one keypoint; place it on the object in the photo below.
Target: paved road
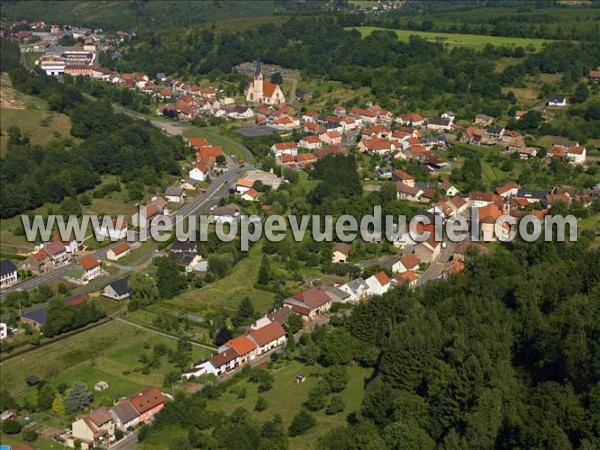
(129, 442)
(201, 203)
(436, 268)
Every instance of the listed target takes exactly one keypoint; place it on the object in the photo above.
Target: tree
(337, 348)
(30, 435)
(58, 406)
(263, 378)
(45, 397)
(11, 426)
(261, 404)
(171, 378)
(582, 92)
(302, 422)
(274, 432)
(337, 379)
(407, 436)
(264, 273)
(276, 78)
(336, 405)
(295, 323)
(78, 397)
(317, 397)
(143, 288)
(244, 314)
(170, 281)
(222, 335)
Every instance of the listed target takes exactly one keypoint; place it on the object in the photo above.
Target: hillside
(115, 15)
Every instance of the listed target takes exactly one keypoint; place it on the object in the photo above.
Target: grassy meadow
(474, 41)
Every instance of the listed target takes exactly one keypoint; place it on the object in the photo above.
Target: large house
(8, 273)
(268, 337)
(118, 251)
(310, 303)
(117, 290)
(147, 403)
(379, 283)
(96, 429)
(262, 91)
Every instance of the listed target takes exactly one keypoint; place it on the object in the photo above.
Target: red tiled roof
(382, 278)
(402, 175)
(285, 145)
(407, 277)
(241, 344)
(410, 261)
(269, 88)
(147, 399)
(120, 248)
(88, 262)
(198, 142)
(312, 297)
(267, 334)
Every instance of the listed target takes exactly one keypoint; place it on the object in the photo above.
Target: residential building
(91, 267)
(557, 101)
(8, 273)
(245, 347)
(357, 290)
(379, 283)
(340, 252)
(309, 303)
(429, 250)
(124, 415)
(175, 194)
(118, 251)
(117, 290)
(113, 230)
(147, 403)
(96, 429)
(36, 318)
(268, 337)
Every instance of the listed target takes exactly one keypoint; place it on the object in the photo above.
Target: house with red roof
(379, 283)
(38, 262)
(331, 137)
(310, 142)
(309, 303)
(148, 403)
(376, 146)
(408, 278)
(285, 148)
(268, 337)
(90, 265)
(118, 251)
(411, 119)
(245, 347)
(198, 142)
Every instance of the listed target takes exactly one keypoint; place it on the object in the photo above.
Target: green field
(216, 139)
(460, 40)
(107, 352)
(228, 292)
(285, 399)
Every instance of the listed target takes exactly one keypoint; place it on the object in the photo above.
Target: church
(262, 91)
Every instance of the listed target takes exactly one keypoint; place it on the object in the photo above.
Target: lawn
(29, 121)
(107, 352)
(475, 41)
(215, 139)
(228, 292)
(286, 399)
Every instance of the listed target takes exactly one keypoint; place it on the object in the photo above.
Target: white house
(576, 154)
(331, 137)
(357, 290)
(379, 283)
(285, 148)
(557, 101)
(175, 194)
(117, 290)
(199, 172)
(91, 267)
(8, 273)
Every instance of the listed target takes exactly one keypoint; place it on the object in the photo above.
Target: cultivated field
(460, 40)
(108, 352)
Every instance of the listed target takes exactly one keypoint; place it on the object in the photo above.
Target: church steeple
(258, 71)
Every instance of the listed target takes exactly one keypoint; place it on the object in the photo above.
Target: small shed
(32, 380)
(299, 379)
(101, 386)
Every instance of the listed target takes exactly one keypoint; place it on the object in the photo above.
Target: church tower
(258, 82)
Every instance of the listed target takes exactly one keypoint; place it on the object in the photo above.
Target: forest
(505, 356)
(421, 74)
(110, 144)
